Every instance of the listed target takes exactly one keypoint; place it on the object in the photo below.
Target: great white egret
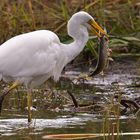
(31, 58)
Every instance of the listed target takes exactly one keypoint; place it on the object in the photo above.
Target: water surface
(50, 117)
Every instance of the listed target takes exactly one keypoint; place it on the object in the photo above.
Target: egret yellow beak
(97, 29)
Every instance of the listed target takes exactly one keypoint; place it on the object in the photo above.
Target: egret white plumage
(32, 58)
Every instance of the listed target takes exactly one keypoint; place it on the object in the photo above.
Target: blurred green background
(121, 18)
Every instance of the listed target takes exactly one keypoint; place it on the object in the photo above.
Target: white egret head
(80, 22)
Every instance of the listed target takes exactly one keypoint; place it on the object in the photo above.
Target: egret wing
(30, 54)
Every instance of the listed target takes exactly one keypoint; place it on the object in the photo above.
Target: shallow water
(57, 120)
(15, 129)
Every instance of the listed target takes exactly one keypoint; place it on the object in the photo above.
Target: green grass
(120, 18)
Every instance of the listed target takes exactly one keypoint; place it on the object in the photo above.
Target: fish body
(102, 56)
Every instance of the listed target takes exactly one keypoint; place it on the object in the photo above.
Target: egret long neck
(74, 48)
(80, 37)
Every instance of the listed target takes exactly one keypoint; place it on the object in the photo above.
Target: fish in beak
(97, 29)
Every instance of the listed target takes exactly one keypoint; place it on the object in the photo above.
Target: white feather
(32, 58)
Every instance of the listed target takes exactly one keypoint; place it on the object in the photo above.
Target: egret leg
(14, 85)
(29, 104)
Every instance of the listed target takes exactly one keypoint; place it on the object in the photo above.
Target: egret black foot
(1, 102)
